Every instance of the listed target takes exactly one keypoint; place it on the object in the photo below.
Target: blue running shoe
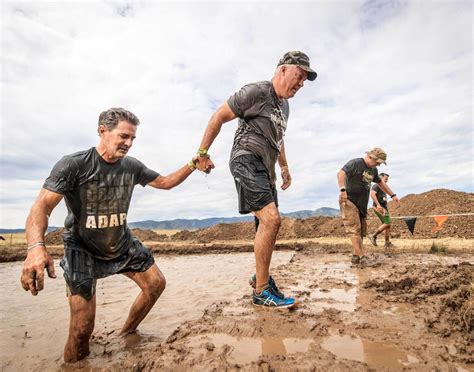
(268, 299)
(271, 284)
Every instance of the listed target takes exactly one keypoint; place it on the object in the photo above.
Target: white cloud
(392, 74)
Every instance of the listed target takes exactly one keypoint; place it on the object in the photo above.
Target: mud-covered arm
(221, 116)
(175, 178)
(283, 163)
(38, 258)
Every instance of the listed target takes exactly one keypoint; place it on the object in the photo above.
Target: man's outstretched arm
(38, 258)
(221, 116)
(177, 177)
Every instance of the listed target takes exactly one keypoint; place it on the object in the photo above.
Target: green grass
(438, 248)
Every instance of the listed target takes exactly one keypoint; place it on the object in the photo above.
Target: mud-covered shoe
(359, 260)
(355, 259)
(373, 239)
(389, 245)
(271, 285)
(363, 261)
(268, 299)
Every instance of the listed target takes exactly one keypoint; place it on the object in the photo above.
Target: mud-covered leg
(81, 326)
(152, 283)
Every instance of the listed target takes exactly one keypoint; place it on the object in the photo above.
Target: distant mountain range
(188, 224)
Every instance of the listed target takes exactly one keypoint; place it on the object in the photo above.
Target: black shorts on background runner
(81, 270)
(253, 184)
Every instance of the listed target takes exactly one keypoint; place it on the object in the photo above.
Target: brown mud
(403, 311)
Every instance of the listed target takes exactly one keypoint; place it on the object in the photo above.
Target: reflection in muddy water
(33, 330)
(245, 350)
(337, 298)
(375, 354)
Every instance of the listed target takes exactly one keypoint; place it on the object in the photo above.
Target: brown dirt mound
(222, 231)
(149, 235)
(54, 237)
(440, 201)
(434, 202)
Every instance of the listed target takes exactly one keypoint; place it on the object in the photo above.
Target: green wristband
(192, 165)
(202, 152)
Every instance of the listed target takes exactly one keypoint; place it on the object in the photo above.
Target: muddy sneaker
(268, 299)
(355, 259)
(373, 239)
(271, 284)
(363, 261)
(389, 245)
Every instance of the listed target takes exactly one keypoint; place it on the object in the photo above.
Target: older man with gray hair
(97, 186)
(263, 110)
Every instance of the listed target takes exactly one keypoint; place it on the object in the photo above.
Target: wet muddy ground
(33, 330)
(404, 311)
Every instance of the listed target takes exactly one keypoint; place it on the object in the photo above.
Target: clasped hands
(203, 163)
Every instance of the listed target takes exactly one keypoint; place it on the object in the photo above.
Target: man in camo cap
(354, 180)
(262, 109)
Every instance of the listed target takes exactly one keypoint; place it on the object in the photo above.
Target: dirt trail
(410, 311)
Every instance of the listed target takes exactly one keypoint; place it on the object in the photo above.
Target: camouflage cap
(378, 154)
(297, 58)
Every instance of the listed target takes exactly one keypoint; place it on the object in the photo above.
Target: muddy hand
(343, 198)
(32, 276)
(286, 177)
(204, 164)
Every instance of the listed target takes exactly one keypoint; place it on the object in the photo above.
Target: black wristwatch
(342, 189)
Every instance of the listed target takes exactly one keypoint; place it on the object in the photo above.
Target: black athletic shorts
(253, 184)
(81, 270)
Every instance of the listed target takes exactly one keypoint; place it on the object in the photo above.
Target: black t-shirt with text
(263, 119)
(381, 196)
(358, 180)
(97, 195)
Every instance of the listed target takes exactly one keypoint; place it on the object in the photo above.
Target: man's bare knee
(156, 286)
(271, 220)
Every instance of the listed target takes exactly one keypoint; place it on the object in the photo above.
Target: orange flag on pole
(440, 220)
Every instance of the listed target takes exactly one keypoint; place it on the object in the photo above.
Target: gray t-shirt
(262, 123)
(358, 180)
(98, 195)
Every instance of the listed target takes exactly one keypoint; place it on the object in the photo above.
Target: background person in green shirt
(379, 198)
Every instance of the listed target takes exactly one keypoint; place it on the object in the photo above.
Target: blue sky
(394, 74)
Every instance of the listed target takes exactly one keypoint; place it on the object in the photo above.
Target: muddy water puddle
(375, 354)
(33, 330)
(244, 350)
